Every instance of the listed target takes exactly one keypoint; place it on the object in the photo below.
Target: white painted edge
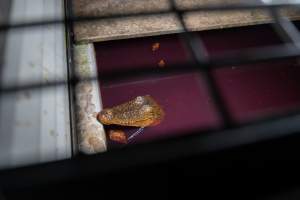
(34, 124)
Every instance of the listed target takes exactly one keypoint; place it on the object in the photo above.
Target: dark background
(265, 170)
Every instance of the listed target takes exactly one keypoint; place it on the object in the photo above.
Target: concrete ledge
(111, 29)
(91, 135)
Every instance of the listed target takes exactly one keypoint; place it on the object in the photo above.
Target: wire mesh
(201, 61)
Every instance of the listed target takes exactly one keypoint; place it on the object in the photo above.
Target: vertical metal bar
(72, 79)
(4, 18)
(198, 51)
(195, 44)
(284, 27)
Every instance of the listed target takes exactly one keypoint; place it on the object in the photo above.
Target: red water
(183, 98)
(248, 92)
(257, 89)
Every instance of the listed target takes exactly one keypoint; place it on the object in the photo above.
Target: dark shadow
(4, 16)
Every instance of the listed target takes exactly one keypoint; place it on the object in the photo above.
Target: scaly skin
(142, 111)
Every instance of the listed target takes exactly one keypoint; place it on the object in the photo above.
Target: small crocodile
(140, 112)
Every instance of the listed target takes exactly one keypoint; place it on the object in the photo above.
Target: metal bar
(4, 16)
(194, 44)
(262, 129)
(284, 27)
(72, 79)
(247, 56)
(197, 50)
(148, 153)
(5, 27)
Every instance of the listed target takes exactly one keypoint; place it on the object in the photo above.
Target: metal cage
(229, 136)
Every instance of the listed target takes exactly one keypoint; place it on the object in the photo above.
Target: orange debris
(161, 63)
(155, 46)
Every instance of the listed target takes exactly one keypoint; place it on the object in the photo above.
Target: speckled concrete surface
(111, 29)
(126, 28)
(108, 7)
(91, 135)
(211, 20)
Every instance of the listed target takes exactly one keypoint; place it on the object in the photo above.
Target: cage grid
(265, 127)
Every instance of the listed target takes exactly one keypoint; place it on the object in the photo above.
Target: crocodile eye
(139, 100)
(105, 116)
